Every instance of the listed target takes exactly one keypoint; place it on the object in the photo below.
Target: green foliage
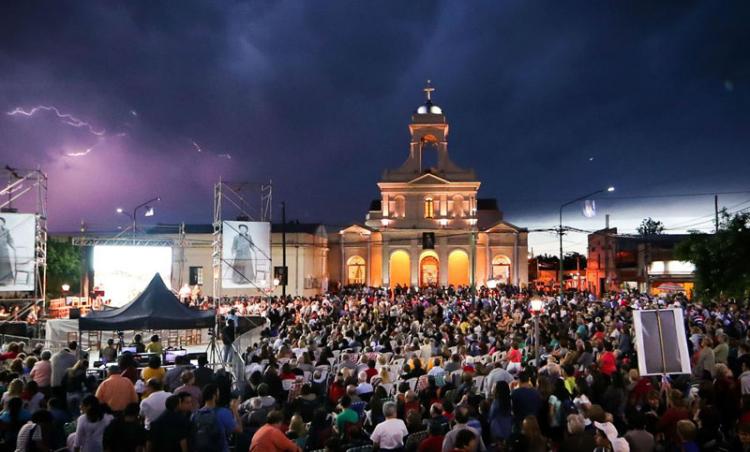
(63, 267)
(722, 260)
(649, 226)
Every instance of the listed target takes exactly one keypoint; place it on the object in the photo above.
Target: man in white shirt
(155, 402)
(436, 368)
(496, 375)
(389, 434)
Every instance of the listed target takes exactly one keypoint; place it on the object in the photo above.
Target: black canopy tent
(156, 308)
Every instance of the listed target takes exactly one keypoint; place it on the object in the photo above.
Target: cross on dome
(428, 90)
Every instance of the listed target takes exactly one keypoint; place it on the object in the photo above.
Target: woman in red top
(608, 362)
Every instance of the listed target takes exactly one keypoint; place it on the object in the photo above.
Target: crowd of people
(407, 370)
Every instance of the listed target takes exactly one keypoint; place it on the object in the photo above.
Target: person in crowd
(140, 347)
(466, 441)
(60, 363)
(109, 353)
(41, 373)
(116, 391)
(170, 431)
(577, 438)
(212, 424)
(34, 434)
(389, 434)
(89, 434)
(525, 399)
(154, 370)
(462, 423)
(154, 402)
(188, 386)
(173, 377)
(271, 438)
(203, 374)
(125, 433)
(75, 384)
(155, 346)
(13, 417)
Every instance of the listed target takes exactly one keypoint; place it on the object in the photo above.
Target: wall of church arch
(399, 268)
(459, 268)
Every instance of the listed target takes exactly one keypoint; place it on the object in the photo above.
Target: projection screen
(122, 272)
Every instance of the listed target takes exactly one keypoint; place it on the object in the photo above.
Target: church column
(385, 268)
(414, 262)
(384, 207)
(487, 260)
(342, 279)
(442, 252)
(369, 260)
(443, 205)
(516, 276)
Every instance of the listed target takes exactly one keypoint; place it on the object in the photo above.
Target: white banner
(17, 252)
(246, 255)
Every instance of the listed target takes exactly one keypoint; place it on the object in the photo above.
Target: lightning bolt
(225, 156)
(65, 118)
(201, 150)
(197, 146)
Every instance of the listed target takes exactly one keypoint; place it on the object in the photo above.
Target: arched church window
(501, 268)
(356, 270)
(458, 206)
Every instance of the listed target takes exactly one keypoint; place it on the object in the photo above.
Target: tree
(649, 226)
(722, 260)
(63, 267)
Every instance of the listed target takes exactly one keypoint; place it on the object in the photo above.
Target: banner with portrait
(246, 255)
(17, 252)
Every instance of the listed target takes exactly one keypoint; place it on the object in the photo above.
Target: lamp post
(536, 307)
(560, 230)
(134, 218)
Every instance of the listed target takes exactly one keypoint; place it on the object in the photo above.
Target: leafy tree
(63, 266)
(649, 226)
(722, 260)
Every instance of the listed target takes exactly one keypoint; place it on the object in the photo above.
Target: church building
(429, 226)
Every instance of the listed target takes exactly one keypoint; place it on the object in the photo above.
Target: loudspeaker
(74, 313)
(428, 240)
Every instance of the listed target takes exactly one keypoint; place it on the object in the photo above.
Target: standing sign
(660, 342)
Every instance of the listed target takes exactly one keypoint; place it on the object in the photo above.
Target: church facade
(429, 226)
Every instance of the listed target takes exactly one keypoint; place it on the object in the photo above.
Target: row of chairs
(170, 338)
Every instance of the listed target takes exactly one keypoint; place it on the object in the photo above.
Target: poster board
(660, 342)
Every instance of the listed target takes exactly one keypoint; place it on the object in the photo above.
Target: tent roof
(154, 308)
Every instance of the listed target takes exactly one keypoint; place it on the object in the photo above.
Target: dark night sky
(317, 95)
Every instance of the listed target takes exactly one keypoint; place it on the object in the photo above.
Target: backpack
(205, 434)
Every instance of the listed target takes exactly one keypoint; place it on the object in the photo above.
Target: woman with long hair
(501, 418)
(13, 417)
(320, 431)
(533, 439)
(91, 424)
(15, 389)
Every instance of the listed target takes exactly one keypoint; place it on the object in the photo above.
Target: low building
(643, 263)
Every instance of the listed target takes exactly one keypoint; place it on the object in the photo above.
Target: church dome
(429, 108)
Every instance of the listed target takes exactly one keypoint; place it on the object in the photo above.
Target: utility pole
(716, 212)
(283, 248)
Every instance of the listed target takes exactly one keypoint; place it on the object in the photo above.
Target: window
(458, 206)
(196, 276)
(356, 270)
(501, 268)
(400, 207)
(429, 208)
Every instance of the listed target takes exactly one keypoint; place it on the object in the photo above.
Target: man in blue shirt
(225, 421)
(525, 400)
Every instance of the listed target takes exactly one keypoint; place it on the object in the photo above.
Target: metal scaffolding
(21, 182)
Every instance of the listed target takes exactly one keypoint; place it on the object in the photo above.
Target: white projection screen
(122, 272)
(17, 248)
(246, 255)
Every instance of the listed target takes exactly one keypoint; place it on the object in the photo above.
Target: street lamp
(536, 306)
(560, 230)
(149, 212)
(66, 288)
